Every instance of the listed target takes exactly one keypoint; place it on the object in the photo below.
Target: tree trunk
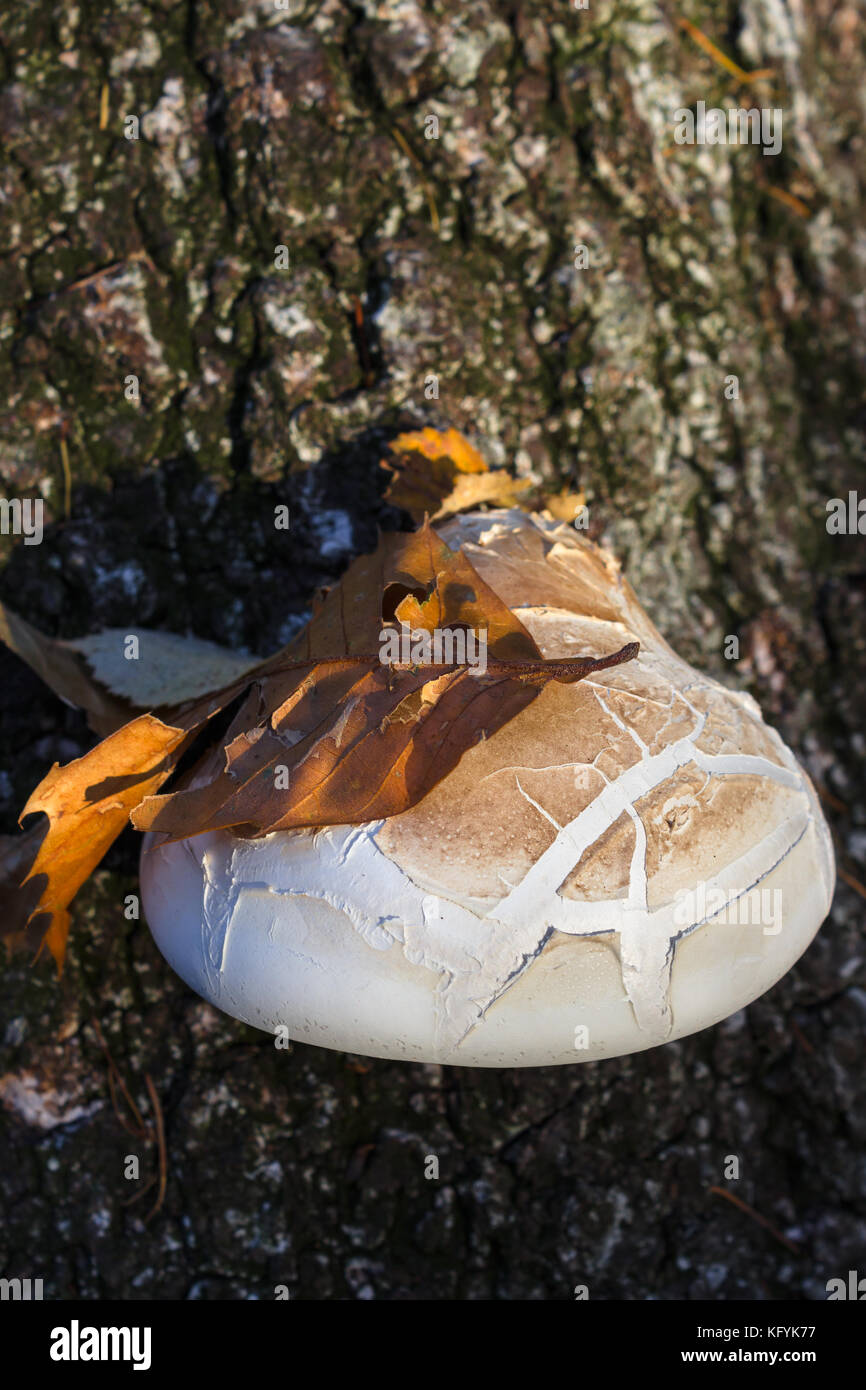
(242, 247)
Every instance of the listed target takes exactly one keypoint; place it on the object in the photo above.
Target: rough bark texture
(261, 128)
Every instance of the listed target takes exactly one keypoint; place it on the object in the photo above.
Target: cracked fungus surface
(589, 815)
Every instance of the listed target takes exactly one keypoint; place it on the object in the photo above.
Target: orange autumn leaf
(460, 596)
(87, 804)
(441, 474)
(565, 505)
(355, 739)
(451, 444)
(359, 738)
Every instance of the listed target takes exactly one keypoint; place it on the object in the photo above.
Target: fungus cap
(630, 859)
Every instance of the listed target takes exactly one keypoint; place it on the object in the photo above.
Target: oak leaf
(565, 505)
(357, 740)
(441, 474)
(352, 738)
(64, 670)
(93, 673)
(87, 804)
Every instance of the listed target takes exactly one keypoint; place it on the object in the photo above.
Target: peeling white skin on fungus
(387, 878)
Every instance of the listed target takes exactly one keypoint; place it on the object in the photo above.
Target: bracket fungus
(630, 858)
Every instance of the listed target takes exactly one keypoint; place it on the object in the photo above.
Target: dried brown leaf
(65, 671)
(440, 474)
(360, 740)
(87, 804)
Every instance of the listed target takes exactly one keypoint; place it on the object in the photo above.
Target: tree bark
(242, 247)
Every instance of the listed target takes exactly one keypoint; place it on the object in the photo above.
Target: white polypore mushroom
(630, 859)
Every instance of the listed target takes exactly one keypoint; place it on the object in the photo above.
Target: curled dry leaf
(93, 673)
(64, 670)
(435, 444)
(88, 803)
(564, 506)
(353, 739)
(440, 474)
